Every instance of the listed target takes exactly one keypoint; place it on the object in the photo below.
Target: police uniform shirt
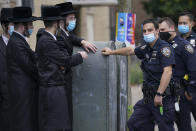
(154, 60)
(183, 56)
(192, 39)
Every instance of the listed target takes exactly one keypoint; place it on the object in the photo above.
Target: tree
(170, 8)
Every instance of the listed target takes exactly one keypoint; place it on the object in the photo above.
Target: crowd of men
(168, 62)
(36, 86)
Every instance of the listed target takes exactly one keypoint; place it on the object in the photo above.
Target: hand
(158, 100)
(188, 97)
(106, 51)
(87, 45)
(83, 54)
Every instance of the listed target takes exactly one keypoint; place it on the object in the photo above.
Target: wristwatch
(159, 94)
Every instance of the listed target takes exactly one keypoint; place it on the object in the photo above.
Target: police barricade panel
(95, 92)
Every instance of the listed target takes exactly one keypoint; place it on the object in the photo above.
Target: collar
(51, 35)
(155, 45)
(67, 33)
(5, 39)
(173, 40)
(21, 35)
(192, 35)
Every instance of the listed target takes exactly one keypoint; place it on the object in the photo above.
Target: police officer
(185, 25)
(185, 64)
(52, 64)
(8, 28)
(157, 59)
(22, 73)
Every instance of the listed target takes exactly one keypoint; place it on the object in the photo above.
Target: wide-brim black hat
(22, 14)
(66, 8)
(5, 14)
(50, 13)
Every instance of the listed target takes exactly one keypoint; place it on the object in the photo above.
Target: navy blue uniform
(186, 107)
(192, 39)
(145, 113)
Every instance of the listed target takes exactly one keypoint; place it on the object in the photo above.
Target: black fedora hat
(66, 8)
(22, 14)
(51, 13)
(5, 14)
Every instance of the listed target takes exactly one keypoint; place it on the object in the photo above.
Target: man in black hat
(22, 73)
(8, 28)
(53, 62)
(67, 25)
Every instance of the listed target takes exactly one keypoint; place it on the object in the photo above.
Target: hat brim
(68, 12)
(30, 19)
(52, 18)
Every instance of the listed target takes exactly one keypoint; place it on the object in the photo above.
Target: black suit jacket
(51, 58)
(4, 96)
(3, 70)
(23, 83)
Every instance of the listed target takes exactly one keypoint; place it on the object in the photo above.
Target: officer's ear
(193, 23)
(172, 28)
(157, 31)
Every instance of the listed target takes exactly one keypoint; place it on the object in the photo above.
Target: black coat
(23, 84)
(4, 99)
(52, 64)
(68, 42)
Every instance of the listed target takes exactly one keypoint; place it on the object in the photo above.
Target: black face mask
(165, 36)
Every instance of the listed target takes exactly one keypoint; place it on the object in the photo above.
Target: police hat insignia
(189, 48)
(166, 51)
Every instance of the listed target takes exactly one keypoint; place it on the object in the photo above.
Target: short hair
(151, 21)
(187, 13)
(49, 23)
(168, 20)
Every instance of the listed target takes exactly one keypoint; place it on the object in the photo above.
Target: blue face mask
(72, 25)
(149, 38)
(183, 29)
(30, 31)
(11, 30)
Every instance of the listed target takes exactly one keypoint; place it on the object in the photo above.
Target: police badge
(166, 51)
(189, 48)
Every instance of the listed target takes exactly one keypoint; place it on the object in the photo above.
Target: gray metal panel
(122, 88)
(95, 92)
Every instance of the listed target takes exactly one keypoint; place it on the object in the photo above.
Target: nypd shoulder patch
(189, 48)
(166, 51)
